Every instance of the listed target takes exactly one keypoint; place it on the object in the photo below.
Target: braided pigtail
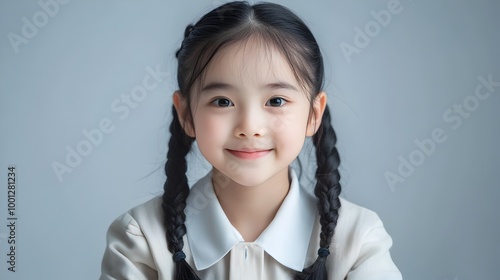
(174, 198)
(327, 191)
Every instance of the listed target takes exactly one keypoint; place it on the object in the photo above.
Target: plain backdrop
(405, 92)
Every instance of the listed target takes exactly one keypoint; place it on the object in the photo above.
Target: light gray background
(443, 218)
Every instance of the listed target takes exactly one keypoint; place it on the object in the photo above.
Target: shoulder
(361, 244)
(139, 214)
(136, 243)
(354, 226)
(353, 215)
(148, 210)
(355, 222)
(145, 220)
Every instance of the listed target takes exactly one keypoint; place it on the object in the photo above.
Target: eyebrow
(223, 86)
(217, 86)
(280, 85)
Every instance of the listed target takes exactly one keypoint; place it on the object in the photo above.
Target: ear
(319, 105)
(180, 105)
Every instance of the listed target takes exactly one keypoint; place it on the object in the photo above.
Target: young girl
(250, 93)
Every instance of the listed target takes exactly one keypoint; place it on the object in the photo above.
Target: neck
(250, 209)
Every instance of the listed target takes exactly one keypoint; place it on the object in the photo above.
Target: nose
(250, 123)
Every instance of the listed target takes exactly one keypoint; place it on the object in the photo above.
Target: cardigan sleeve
(374, 261)
(127, 254)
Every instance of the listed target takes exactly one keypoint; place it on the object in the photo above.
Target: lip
(249, 154)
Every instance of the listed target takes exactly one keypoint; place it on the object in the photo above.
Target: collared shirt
(211, 235)
(137, 247)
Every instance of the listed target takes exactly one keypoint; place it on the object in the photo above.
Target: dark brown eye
(222, 102)
(276, 102)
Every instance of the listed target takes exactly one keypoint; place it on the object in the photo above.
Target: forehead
(251, 61)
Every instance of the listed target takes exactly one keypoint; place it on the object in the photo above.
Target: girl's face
(250, 114)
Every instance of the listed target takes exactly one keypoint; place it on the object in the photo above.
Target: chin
(247, 182)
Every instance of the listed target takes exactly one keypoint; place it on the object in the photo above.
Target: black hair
(230, 23)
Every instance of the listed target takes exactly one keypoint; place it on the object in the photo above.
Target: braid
(174, 198)
(327, 191)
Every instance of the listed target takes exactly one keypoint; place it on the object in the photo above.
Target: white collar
(211, 235)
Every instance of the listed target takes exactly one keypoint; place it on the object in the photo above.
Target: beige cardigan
(137, 249)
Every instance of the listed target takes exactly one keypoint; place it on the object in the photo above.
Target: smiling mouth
(249, 154)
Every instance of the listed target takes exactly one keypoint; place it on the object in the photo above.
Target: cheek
(286, 120)
(210, 131)
(294, 137)
(291, 134)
